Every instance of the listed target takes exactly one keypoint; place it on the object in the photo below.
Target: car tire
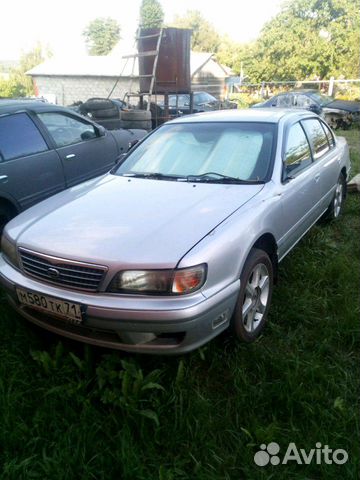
(136, 119)
(335, 208)
(98, 104)
(256, 285)
(6, 214)
(108, 113)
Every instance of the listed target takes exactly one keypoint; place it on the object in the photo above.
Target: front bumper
(157, 325)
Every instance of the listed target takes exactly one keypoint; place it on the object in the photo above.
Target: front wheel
(256, 285)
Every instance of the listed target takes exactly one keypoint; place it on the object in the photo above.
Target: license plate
(61, 308)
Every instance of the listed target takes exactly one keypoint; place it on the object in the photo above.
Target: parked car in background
(183, 238)
(337, 113)
(45, 148)
(202, 102)
(180, 105)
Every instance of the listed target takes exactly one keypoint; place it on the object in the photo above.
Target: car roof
(304, 90)
(11, 106)
(267, 115)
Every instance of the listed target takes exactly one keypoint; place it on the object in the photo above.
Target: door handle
(317, 177)
(71, 155)
(3, 178)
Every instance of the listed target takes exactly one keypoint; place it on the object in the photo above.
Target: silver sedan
(182, 239)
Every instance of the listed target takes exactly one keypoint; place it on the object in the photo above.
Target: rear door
(301, 192)
(29, 169)
(325, 155)
(85, 153)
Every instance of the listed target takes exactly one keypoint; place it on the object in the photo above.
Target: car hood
(347, 105)
(129, 221)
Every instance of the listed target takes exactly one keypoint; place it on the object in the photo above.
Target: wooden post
(331, 87)
(262, 91)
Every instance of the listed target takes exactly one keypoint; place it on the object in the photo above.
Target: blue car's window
(297, 151)
(67, 130)
(321, 99)
(239, 150)
(19, 137)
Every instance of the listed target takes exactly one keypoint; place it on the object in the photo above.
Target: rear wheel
(256, 285)
(336, 204)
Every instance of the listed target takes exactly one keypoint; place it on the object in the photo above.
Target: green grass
(75, 412)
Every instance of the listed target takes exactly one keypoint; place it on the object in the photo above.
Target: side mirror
(315, 108)
(88, 135)
(101, 131)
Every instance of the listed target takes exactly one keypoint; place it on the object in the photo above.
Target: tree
(101, 35)
(19, 84)
(308, 39)
(204, 36)
(151, 14)
(232, 54)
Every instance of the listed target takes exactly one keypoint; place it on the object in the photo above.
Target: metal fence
(333, 87)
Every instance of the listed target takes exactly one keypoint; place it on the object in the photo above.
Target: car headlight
(8, 249)
(159, 282)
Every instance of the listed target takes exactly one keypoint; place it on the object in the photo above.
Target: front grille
(62, 272)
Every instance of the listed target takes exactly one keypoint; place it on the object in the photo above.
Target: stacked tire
(108, 114)
(136, 119)
(103, 111)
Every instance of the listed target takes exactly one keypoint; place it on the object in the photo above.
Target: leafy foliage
(19, 84)
(204, 36)
(101, 35)
(151, 14)
(123, 384)
(307, 39)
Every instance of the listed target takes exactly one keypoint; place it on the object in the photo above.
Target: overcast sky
(59, 23)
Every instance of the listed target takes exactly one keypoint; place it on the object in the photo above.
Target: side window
(317, 137)
(67, 130)
(19, 137)
(329, 134)
(181, 99)
(302, 101)
(284, 101)
(297, 151)
(200, 98)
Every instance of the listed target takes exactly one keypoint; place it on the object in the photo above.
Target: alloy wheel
(256, 297)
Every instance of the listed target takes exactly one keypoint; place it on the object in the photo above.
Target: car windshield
(208, 151)
(321, 99)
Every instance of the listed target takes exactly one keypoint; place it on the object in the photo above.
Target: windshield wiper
(153, 176)
(214, 177)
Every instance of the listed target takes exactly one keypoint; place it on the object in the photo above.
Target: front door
(84, 152)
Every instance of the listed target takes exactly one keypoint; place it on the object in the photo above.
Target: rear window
(328, 134)
(19, 137)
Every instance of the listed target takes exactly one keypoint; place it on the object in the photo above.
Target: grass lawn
(75, 412)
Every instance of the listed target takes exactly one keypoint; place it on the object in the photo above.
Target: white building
(65, 81)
